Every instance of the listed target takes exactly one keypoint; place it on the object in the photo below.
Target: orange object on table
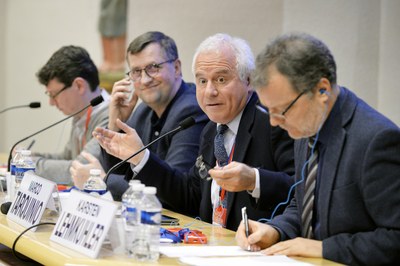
(62, 187)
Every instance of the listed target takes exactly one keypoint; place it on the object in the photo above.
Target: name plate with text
(31, 200)
(84, 223)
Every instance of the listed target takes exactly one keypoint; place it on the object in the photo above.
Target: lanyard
(88, 116)
(222, 191)
(220, 211)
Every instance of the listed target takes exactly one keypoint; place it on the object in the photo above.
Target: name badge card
(31, 200)
(84, 223)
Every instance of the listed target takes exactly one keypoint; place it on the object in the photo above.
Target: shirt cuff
(256, 191)
(137, 168)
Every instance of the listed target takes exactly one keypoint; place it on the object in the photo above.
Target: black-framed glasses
(53, 97)
(150, 70)
(292, 103)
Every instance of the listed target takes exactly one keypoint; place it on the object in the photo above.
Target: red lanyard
(88, 116)
(222, 191)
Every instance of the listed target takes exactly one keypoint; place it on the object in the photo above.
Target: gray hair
(244, 56)
(302, 58)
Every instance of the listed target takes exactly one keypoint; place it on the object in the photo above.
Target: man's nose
(211, 90)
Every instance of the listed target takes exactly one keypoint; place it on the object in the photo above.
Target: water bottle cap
(95, 171)
(25, 152)
(138, 187)
(134, 181)
(150, 190)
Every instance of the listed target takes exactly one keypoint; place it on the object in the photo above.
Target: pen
(246, 223)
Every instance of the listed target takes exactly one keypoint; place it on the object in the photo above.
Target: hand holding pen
(246, 224)
(257, 236)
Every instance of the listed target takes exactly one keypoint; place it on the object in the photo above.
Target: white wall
(34, 30)
(2, 68)
(362, 34)
(389, 60)
(351, 31)
(189, 22)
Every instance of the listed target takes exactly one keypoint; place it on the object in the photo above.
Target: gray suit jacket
(55, 166)
(358, 205)
(179, 150)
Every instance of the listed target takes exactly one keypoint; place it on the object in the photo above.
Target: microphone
(34, 105)
(31, 105)
(5, 207)
(186, 123)
(93, 102)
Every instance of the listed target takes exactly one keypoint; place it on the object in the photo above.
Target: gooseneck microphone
(93, 102)
(31, 105)
(5, 207)
(186, 123)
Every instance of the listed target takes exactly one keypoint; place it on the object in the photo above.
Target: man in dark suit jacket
(179, 150)
(155, 72)
(356, 210)
(261, 155)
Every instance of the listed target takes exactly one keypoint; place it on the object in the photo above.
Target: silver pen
(246, 224)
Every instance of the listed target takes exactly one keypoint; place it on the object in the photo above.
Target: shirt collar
(234, 124)
(329, 124)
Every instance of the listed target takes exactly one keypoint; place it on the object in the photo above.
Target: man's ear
(324, 87)
(82, 84)
(178, 67)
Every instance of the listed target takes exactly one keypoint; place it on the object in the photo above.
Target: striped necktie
(309, 190)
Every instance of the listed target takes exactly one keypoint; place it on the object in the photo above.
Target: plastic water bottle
(127, 193)
(95, 185)
(16, 157)
(131, 215)
(23, 164)
(11, 186)
(148, 236)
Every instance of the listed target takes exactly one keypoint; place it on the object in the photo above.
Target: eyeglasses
(150, 70)
(53, 97)
(292, 103)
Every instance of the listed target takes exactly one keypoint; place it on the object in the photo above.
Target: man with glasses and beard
(347, 160)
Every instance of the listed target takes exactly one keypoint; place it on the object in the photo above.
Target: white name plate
(84, 223)
(31, 200)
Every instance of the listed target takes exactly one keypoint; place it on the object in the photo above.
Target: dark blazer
(359, 191)
(257, 144)
(179, 150)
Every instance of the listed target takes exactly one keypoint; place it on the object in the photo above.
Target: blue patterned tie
(219, 148)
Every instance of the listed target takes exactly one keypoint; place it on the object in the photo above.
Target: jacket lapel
(332, 156)
(242, 141)
(208, 157)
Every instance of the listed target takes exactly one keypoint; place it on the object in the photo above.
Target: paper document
(205, 251)
(240, 261)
